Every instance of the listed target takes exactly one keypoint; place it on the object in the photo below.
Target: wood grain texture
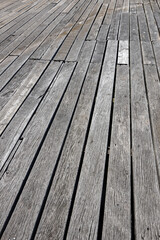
(19, 122)
(123, 53)
(32, 139)
(63, 183)
(85, 215)
(9, 110)
(146, 187)
(48, 156)
(117, 213)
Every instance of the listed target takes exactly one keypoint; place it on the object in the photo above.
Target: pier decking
(80, 119)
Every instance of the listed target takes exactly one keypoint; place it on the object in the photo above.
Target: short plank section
(123, 56)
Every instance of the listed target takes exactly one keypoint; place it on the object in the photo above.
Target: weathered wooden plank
(145, 179)
(9, 110)
(79, 8)
(32, 138)
(17, 125)
(77, 45)
(98, 52)
(147, 53)
(92, 35)
(123, 52)
(114, 27)
(143, 28)
(154, 33)
(103, 32)
(5, 64)
(134, 34)
(153, 90)
(124, 27)
(50, 151)
(85, 215)
(117, 213)
(67, 44)
(156, 47)
(34, 28)
(8, 91)
(64, 180)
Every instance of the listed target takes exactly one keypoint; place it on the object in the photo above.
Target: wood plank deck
(80, 119)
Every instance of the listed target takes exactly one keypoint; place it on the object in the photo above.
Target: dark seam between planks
(35, 228)
(26, 96)
(104, 186)
(33, 161)
(34, 112)
(148, 105)
(131, 160)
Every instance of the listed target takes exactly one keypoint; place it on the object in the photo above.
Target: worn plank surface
(79, 119)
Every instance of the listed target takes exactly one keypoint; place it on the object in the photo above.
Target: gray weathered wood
(50, 151)
(32, 138)
(17, 125)
(147, 53)
(59, 199)
(145, 179)
(117, 212)
(85, 215)
(123, 52)
(20, 95)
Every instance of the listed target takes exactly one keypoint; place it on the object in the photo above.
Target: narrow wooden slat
(143, 28)
(124, 27)
(85, 215)
(147, 52)
(154, 33)
(5, 64)
(156, 47)
(145, 179)
(153, 87)
(117, 213)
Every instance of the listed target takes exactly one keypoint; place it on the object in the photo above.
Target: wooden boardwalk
(80, 119)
